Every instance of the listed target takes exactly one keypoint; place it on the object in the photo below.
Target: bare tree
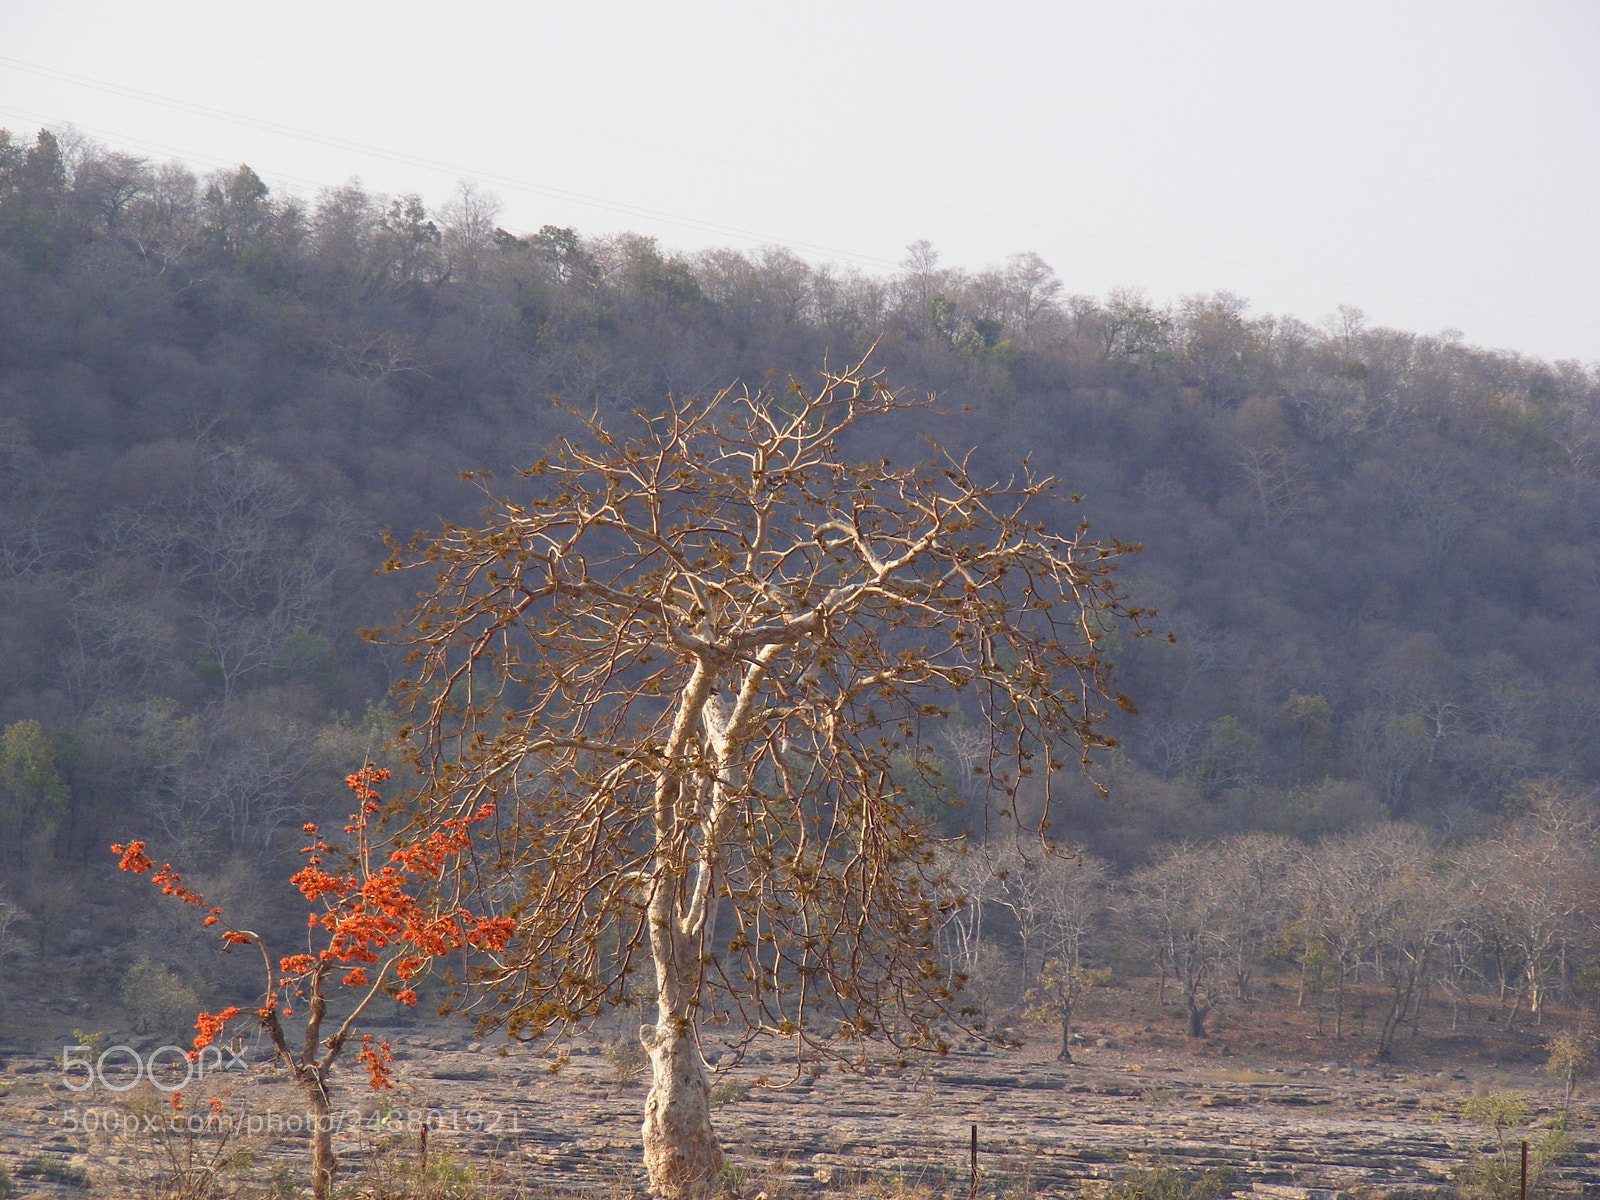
(1182, 911)
(682, 666)
(106, 184)
(230, 775)
(968, 749)
(1252, 869)
(1377, 898)
(1278, 484)
(469, 224)
(1076, 887)
(1064, 895)
(1532, 881)
(1170, 745)
(1412, 911)
(1019, 298)
(969, 885)
(240, 556)
(1055, 898)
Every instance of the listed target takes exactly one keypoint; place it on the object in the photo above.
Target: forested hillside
(1379, 551)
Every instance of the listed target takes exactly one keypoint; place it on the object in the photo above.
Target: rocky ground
(1291, 1114)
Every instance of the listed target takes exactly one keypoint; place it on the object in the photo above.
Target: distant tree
(922, 279)
(1312, 719)
(38, 795)
(684, 665)
(659, 277)
(106, 186)
(241, 557)
(1278, 484)
(1057, 992)
(11, 915)
(1378, 897)
(468, 233)
(1019, 299)
(1252, 870)
(1182, 908)
(563, 248)
(1227, 757)
(153, 994)
(1416, 906)
(970, 888)
(1132, 329)
(1219, 345)
(1568, 1058)
(1054, 897)
(236, 209)
(1534, 881)
(28, 767)
(33, 194)
(408, 242)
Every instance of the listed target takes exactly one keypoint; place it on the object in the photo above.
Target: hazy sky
(1436, 164)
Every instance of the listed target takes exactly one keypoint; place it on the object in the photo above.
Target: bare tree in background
(1182, 910)
(1533, 882)
(1253, 870)
(1055, 898)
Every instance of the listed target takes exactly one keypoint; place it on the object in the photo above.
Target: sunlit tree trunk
(681, 1152)
(323, 1162)
(694, 812)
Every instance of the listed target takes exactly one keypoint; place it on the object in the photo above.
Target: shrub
(1498, 1174)
(628, 1060)
(1567, 1062)
(154, 995)
(1164, 1182)
(730, 1091)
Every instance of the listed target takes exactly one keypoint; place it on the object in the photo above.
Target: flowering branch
(387, 917)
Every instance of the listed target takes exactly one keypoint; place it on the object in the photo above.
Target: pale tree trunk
(681, 1152)
(692, 817)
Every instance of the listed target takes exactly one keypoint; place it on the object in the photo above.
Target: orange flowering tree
(382, 909)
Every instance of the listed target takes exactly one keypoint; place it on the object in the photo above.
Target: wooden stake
(973, 1191)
